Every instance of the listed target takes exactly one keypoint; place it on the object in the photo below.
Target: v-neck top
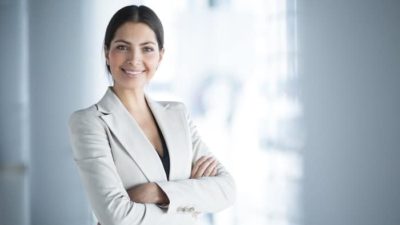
(165, 158)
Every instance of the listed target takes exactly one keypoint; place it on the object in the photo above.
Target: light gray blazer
(113, 154)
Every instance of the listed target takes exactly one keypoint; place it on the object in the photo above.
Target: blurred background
(298, 98)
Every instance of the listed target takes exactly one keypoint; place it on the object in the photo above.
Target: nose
(134, 57)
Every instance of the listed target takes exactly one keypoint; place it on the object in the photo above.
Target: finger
(210, 168)
(214, 172)
(203, 167)
(197, 171)
(197, 164)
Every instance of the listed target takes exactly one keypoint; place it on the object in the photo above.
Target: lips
(132, 72)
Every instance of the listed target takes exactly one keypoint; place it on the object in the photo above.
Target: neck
(133, 100)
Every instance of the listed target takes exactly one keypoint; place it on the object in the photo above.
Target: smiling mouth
(133, 73)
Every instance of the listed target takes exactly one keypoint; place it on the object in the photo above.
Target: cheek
(115, 57)
(152, 62)
(154, 65)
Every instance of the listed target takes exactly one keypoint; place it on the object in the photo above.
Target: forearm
(152, 193)
(207, 194)
(148, 193)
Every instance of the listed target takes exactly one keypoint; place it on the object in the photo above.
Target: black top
(165, 158)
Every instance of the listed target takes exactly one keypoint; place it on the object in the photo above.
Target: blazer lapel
(172, 126)
(130, 135)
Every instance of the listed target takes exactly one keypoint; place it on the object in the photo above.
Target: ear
(106, 51)
(161, 54)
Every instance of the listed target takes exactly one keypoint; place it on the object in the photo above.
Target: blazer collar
(130, 135)
(110, 102)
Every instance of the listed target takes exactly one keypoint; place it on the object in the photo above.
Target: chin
(130, 85)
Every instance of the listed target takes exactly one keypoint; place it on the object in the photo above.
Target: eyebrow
(122, 41)
(126, 42)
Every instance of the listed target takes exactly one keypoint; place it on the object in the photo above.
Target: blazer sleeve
(206, 194)
(107, 195)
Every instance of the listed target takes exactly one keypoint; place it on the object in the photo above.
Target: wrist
(162, 198)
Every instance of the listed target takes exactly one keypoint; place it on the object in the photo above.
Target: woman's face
(133, 55)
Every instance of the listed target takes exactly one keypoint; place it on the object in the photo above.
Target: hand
(205, 166)
(148, 193)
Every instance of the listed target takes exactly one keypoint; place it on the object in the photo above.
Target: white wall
(14, 127)
(58, 79)
(350, 69)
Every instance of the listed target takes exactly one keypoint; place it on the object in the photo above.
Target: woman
(142, 161)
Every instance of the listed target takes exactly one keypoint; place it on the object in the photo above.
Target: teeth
(133, 72)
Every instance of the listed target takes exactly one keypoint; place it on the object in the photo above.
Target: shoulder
(83, 114)
(84, 117)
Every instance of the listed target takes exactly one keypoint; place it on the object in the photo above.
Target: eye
(122, 47)
(148, 49)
